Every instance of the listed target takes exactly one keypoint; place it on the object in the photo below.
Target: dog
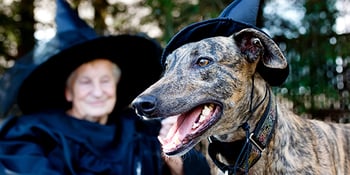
(218, 90)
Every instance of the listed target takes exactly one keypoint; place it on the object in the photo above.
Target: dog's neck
(240, 155)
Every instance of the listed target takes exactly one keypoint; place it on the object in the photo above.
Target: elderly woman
(92, 90)
(76, 116)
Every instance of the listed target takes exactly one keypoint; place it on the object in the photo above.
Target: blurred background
(313, 34)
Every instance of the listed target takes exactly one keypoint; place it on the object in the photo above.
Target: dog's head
(207, 85)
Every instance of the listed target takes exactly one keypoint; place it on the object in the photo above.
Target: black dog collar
(251, 147)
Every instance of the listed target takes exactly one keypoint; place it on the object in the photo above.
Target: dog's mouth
(185, 133)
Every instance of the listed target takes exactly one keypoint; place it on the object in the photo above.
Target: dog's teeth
(202, 118)
(211, 106)
(206, 111)
(195, 126)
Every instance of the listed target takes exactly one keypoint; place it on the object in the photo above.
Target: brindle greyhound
(215, 90)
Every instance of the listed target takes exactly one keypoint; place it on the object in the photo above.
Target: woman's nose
(97, 90)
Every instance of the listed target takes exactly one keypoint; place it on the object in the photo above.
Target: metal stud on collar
(255, 143)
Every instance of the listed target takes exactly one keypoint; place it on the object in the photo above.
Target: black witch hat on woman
(136, 55)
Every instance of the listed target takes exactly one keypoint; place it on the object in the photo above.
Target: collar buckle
(255, 143)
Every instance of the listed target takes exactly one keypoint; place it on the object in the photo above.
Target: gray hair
(115, 68)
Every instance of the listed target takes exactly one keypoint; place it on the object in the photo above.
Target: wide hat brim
(137, 56)
(221, 26)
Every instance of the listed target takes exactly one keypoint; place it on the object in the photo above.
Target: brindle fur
(298, 145)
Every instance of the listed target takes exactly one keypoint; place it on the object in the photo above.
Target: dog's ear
(273, 66)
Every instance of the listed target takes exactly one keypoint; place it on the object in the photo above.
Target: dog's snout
(145, 106)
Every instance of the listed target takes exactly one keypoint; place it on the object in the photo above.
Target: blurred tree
(317, 56)
(174, 15)
(16, 31)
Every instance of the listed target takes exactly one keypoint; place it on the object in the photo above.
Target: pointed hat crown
(69, 20)
(70, 30)
(243, 11)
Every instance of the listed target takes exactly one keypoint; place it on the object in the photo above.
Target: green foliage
(318, 60)
(16, 31)
(174, 15)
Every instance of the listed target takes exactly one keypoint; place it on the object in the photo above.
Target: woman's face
(92, 90)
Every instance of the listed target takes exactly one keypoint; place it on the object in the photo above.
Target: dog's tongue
(180, 130)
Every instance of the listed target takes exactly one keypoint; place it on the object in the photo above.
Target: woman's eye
(106, 80)
(84, 81)
(203, 61)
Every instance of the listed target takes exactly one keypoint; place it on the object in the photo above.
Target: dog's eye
(203, 61)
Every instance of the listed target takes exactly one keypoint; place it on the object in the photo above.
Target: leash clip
(255, 143)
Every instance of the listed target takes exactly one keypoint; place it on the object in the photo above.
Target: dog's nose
(145, 106)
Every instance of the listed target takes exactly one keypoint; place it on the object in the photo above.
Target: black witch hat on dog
(136, 55)
(240, 14)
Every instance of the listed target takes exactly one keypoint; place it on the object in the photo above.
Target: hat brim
(137, 56)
